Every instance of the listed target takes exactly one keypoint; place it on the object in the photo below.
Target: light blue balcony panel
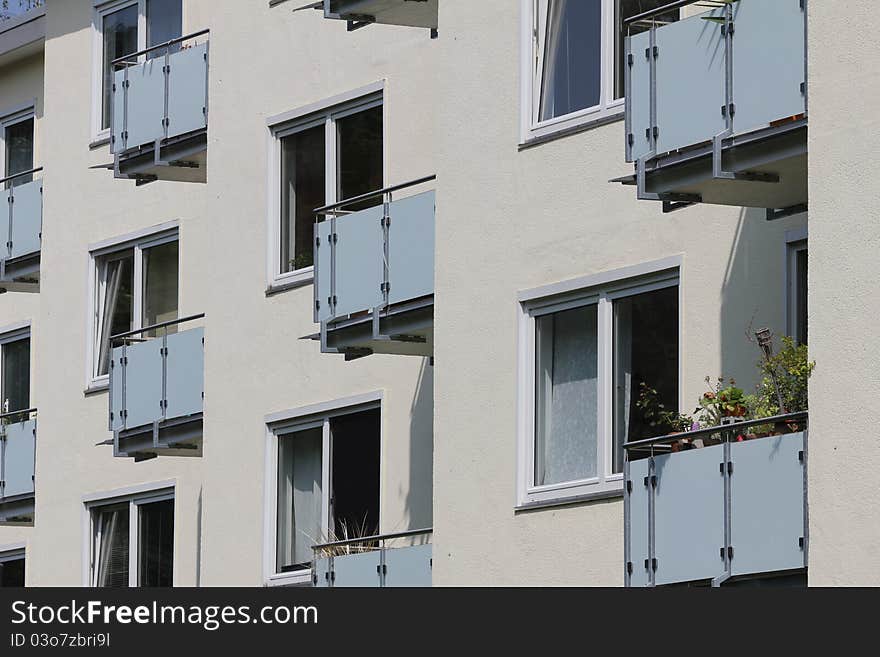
(408, 566)
(117, 384)
(358, 261)
(27, 219)
(18, 457)
(187, 90)
(323, 269)
(321, 576)
(689, 515)
(690, 82)
(411, 248)
(768, 62)
(767, 504)
(143, 383)
(357, 570)
(185, 373)
(145, 102)
(638, 523)
(639, 101)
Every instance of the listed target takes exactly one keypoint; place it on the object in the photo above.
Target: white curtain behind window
(112, 566)
(107, 300)
(299, 497)
(567, 406)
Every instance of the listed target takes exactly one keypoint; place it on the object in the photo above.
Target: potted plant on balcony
(784, 379)
(660, 419)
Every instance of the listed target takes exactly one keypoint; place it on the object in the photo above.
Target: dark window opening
(12, 573)
(302, 190)
(355, 475)
(156, 543)
(359, 151)
(16, 375)
(19, 156)
(801, 296)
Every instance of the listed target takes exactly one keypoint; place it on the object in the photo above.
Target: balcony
(375, 562)
(18, 437)
(159, 112)
(716, 107)
(157, 376)
(20, 261)
(727, 513)
(360, 13)
(374, 274)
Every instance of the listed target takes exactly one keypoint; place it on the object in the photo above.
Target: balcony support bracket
(780, 213)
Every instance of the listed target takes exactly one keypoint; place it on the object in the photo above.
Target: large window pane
(12, 573)
(115, 303)
(160, 286)
(566, 396)
(164, 23)
(627, 9)
(355, 476)
(801, 296)
(359, 154)
(299, 498)
(569, 75)
(16, 375)
(19, 156)
(156, 543)
(111, 547)
(645, 351)
(302, 190)
(120, 30)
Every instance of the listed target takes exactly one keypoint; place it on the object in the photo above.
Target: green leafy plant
(723, 400)
(784, 379)
(657, 416)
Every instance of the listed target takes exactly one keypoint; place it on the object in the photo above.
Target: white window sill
(608, 492)
(291, 281)
(100, 140)
(300, 578)
(547, 133)
(96, 387)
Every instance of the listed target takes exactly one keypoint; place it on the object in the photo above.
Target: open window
(574, 60)
(12, 564)
(327, 484)
(136, 286)
(17, 146)
(589, 355)
(323, 157)
(15, 370)
(125, 27)
(133, 542)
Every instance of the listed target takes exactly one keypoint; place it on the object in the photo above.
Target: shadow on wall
(420, 494)
(752, 296)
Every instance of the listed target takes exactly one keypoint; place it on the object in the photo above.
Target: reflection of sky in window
(13, 8)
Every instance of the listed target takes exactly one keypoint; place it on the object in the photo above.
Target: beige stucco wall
(263, 62)
(844, 295)
(512, 220)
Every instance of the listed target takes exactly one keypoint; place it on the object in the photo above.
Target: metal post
(166, 73)
(652, 547)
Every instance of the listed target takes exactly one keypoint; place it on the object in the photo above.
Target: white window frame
(13, 333)
(11, 119)
(601, 290)
(287, 422)
(138, 243)
(134, 497)
(531, 60)
(795, 242)
(100, 135)
(326, 112)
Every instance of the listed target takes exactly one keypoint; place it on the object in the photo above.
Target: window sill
(570, 501)
(300, 279)
(302, 578)
(567, 131)
(96, 388)
(98, 141)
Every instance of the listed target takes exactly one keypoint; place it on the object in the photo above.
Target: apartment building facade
(363, 276)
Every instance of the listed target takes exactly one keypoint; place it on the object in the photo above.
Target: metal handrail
(29, 172)
(651, 13)
(377, 537)
(170, 322)
(166, 44)
(326, 209)
(24, 411)
(733, 427)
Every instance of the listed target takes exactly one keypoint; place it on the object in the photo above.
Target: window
(586, 356)
(12, 569)
(326, 484)
(796, 289)
(136, 286)
(133, 541)
(323, 157)
(15, 370)
(126, 27)
(17, 146)
(573, 60)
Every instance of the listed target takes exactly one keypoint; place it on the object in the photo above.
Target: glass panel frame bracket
(156, 391)
(159, 111)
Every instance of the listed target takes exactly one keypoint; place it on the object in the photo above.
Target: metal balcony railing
(22, 195)
(156, 378)
(18, 436)
(375, 561)
(369, 260)
(159, 93)
(738, 68)
(732, 508)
